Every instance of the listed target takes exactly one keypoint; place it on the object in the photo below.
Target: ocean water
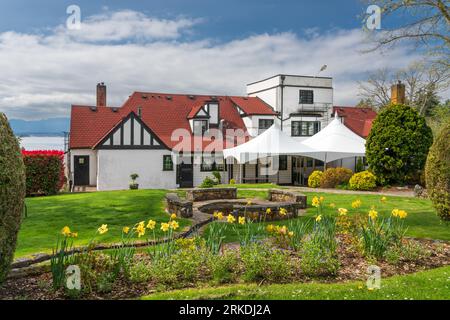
(42, 143)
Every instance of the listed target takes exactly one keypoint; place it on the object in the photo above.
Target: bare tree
(426, 22)
(423, 81)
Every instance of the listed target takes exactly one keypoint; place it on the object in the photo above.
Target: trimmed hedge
(398, 144)
(44, 171)
(364, 180)
(314, 179)
(437, 173)
(333, 177)
(12, 194)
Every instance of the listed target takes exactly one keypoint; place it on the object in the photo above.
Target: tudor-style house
(108, 144)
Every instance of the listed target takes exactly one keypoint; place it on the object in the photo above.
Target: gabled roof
(162, 113)
(253, 106)
(359, 120)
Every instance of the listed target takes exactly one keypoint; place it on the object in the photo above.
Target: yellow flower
(282, 230)
(140, 229)
(103, 229)
(151, 224)
(318, 218)
(315, 202)
(356, 204)
(174, 225)
(395, 212)
(270, 228)
(125, 230)
(173, 216)
(230, 218)
(165, 226)
(342, 211)
(321, 199)
(283, 211)
(291, 234)
(220, 216)
(402, 214)
(65, 231)
(332, 205)
(383, 199)
(268, 211)
(249, 202)
(74, 235)
(215, 214)
(241, 220)
(373, 214)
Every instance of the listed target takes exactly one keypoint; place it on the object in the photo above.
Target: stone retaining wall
(276, 195)
(211, 194)
(182, 208)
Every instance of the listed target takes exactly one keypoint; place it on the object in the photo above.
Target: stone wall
(276, 195)
(211, 194)
(182, 208)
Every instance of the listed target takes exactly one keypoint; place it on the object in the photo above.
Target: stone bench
(182, 208)
(276, 195)
(211, 194)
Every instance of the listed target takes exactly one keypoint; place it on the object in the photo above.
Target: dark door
(186, 175)
(81, 174)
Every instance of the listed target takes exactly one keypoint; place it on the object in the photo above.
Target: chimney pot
(398, 93)
(101, 95)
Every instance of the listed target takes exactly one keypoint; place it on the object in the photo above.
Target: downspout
(282, 77)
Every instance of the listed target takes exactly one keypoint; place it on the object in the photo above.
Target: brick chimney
(398, 93)
(101, 95)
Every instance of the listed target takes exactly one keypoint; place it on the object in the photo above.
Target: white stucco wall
(252, 123)
(92, 163)
(115, 167)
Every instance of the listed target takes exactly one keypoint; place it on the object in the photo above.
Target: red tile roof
(359, 120)
(162, 113)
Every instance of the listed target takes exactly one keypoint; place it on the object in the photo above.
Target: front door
(81, 168)
(186, 175)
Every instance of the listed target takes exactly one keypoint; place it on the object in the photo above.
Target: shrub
(44, 171)
(314, 179)
(316, 262)
(437, 173)
(12, 193)
(217, 176)
(232, 181)
(333, 177)
(139, 272)
(364, 180)
(207, 183)
(397, 146)
(359, 165)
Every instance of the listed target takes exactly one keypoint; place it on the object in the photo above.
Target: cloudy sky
(177, 46)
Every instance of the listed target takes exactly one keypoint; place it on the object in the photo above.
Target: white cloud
(42, 75)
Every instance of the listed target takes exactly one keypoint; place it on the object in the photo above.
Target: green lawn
(84, 213)
(422, 220)
(431, 284)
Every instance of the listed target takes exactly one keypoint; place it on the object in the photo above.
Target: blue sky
(213, 47)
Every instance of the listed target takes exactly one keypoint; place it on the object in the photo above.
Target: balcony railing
(315, 107)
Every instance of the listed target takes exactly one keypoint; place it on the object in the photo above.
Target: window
(200, 127)
(213, 110)
(167, 163)
(306, 97)
(282, 163)
(304, 128)
(210, 164)
(264, 124)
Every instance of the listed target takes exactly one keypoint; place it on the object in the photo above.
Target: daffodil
(315, 202)
(282, 230)
(395, 212)
(231, 218)
(74, 234)
(356, 204)
(215, 214)
(174, 225)
(65, 231)
(165, 227)
(126, 230)
(383, 199)
(373, 214)
(321, 199)
(151, 224)
(270, 228)
(332, 205)
(140, 229)
(402, 214)
(342, 211)
(249, 202)
(103, 229)
(241, 220)
(318, 218)
(291, 234)
(283, 211)
(268, 211)
(173, 216)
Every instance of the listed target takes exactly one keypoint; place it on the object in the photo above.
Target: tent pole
(325, 163)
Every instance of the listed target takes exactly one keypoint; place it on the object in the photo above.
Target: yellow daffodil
(402, 214)
(231, 218)
(219, 216)
(241, 220)
(165, 227)
(395, 212)
(383, 199)
(291, 234)
(315, 202)
(318, 218)
(249, 202)
(283, 230)
(270, 228)
(283, 211)
(356, 204)
(342, 211)
(65, 231)
(174, 225)
(173, 216)
(151, 224)
(332, 205)
(126, 230)
(140, 229)
(373, 214)
(268, 211)
(74, 234)
(215, 214)
(321, 199)
(103, 229)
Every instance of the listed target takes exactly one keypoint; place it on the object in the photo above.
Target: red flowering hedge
(44, 171)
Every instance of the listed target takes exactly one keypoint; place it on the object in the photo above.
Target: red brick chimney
(101, 95)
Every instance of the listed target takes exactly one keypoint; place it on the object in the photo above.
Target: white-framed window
(200, 127)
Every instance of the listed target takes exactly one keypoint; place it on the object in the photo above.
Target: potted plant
(134, 185)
